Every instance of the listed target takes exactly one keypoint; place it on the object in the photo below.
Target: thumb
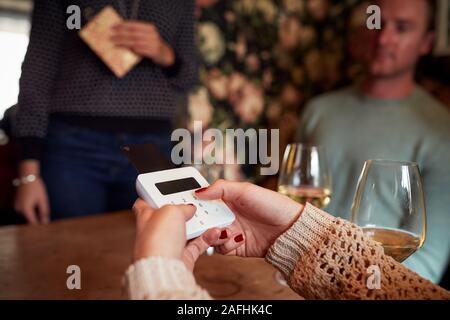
(195, 248)
(44, 211)
(188, 210)
(30, 215)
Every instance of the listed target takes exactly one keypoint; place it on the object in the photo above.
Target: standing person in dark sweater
(74, 114)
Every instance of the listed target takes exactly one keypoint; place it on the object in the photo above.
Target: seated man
(388, 116)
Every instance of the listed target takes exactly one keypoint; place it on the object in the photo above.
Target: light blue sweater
(354, 128)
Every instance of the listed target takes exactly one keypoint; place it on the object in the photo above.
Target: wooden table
(34, 260)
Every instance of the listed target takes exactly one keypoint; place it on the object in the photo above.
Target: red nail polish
(239, 238)
(223, 235)
(200, 190)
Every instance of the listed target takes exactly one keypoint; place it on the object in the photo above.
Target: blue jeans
(85, 171)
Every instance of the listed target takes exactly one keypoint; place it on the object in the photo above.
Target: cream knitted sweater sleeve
(321, 256)
(158, 278)
(324, 257)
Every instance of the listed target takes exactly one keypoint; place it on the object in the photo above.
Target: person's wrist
(28, 173)
(154, 251)
(25, 180)
(142, 253)
(310, 228)
(293, 215)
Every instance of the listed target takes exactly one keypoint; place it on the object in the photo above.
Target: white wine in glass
(318, 197)
(389, 205)
(398, 244)
(304, 175)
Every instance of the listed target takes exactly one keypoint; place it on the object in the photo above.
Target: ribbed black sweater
(62, 77)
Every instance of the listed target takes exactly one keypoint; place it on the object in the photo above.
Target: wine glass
(304, 177)
(389, 205)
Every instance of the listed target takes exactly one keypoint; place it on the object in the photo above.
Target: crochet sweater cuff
(308, 230)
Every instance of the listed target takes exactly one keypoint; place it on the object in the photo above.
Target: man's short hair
(431, 15)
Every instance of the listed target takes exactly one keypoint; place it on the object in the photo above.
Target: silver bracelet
(24, 180)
